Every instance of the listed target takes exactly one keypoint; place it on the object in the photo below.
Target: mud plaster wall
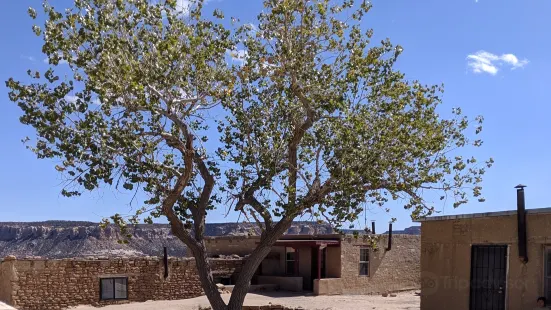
(7, 276)
(446, 259)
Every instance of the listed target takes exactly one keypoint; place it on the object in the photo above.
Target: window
(290, 261)
(113, 288)
(364, 262)
(547, 273)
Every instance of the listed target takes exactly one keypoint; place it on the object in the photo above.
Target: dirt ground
(3, 306)
(403, 301)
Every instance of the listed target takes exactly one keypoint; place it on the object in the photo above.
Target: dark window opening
(223, 280)
(364, 262)
(290, 261)
(113, 288)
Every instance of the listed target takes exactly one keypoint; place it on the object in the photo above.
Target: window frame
(364, 262)
(114, 288)
(294, 260)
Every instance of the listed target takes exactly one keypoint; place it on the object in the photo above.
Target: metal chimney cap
(520, 186)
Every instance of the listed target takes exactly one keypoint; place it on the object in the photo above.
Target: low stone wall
(328, 286)
(293, 284)
(58, 284)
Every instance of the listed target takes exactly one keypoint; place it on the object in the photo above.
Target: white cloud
(237, 56)
(485, 62)
(29, 58)
(514, 61)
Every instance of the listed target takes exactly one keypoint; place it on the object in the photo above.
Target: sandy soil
(404, 300)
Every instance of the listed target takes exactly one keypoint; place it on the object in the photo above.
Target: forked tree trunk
(207, 281)
(243, 282)
(199, 251)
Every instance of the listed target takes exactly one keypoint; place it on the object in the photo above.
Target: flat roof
(311, 237)
(307, 243)
(486, 214)
(283, 237)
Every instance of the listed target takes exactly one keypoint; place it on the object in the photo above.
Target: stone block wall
(58, 284)
(394, 270)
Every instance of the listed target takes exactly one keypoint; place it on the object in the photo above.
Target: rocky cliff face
(75, 239)
(62, 239)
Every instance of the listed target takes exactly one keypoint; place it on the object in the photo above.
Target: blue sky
(492, 56)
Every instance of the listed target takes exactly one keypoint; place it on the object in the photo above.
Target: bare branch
(258, 222)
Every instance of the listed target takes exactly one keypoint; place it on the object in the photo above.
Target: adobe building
(55, 284)
(497, 260)
(323, 264)
(331, 264)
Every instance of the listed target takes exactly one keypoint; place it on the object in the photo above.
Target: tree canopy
(315, 120)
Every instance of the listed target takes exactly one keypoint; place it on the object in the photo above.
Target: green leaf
(31, 12)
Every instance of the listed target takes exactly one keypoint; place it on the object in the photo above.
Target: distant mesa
(64, 239)
(413, 230)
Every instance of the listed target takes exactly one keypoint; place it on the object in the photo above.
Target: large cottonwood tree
(313, 120)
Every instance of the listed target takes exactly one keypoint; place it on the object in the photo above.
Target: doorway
(488, 277)
(315, 264)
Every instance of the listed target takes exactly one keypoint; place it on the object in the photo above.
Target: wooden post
(165, 260)
(319, 262)
(296, 261)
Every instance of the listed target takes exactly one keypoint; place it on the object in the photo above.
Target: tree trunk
(243, 282)
(199, 251)
(207, 281)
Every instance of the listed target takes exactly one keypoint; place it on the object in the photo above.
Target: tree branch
(259, 208)
(199, 215)
(298, 134)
